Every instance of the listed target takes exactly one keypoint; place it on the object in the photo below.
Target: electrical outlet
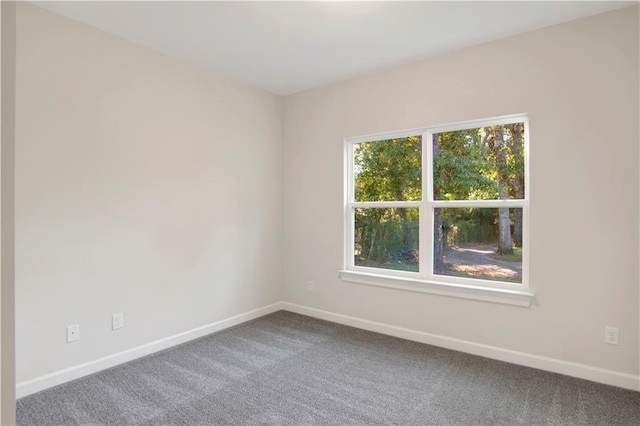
(611, 335)
(310, 286)
(117, 321)
(73, 333)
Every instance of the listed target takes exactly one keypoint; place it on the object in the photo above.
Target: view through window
(447, 204)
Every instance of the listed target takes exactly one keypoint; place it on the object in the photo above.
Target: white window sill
(486, 294)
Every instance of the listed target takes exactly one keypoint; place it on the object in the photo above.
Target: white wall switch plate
(117, 321)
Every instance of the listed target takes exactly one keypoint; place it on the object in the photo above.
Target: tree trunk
(438, 234)
(517, 184)
(372, 246)
(505, 244)
(517, 227)
(406, 236)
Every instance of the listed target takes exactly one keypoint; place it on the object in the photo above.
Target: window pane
(486, 163)
(387, 238)
(389, 170)
(478, 243)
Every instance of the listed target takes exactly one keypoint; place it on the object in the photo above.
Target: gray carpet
(290, 369)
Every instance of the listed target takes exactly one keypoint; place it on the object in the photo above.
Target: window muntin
(471, 175)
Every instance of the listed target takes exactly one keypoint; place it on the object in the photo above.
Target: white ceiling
(285, 47)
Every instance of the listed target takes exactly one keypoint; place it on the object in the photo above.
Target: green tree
(462, 170)
(494, 137)
(460, 160)
(439, 240)
(515, 144)
(389, 170)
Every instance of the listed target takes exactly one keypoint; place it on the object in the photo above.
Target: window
(441, 210)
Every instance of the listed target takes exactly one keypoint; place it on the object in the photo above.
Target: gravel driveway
(476, 262)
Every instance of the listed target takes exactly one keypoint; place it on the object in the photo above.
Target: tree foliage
(389, 170)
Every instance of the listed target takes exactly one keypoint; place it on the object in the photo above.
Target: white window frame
(425, 280)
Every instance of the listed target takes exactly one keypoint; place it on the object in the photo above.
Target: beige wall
(579, 84)
(144, 185)
(7, 288)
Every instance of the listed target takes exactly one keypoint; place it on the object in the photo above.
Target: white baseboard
(62, 376)
(582, 371)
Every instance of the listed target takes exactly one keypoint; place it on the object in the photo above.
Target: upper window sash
(427, 150)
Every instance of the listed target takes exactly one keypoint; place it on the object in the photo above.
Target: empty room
(320, 213)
